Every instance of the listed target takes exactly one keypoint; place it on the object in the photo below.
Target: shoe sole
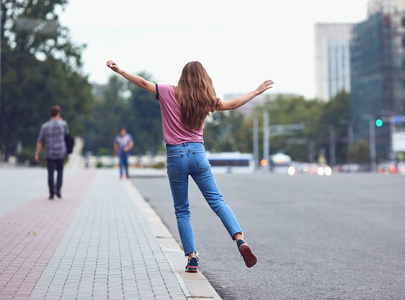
(192, 269)
(248, 256)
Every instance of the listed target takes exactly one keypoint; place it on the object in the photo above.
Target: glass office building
(377, 58)
(332, 59)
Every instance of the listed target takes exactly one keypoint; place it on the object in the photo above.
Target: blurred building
(377, 58)
(384, 6)
(332, 59)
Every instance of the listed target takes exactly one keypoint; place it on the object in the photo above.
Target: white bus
(231, 162)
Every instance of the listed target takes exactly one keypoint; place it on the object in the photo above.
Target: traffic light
(379, 122)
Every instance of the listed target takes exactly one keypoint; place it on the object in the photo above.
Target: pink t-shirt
(174, 131)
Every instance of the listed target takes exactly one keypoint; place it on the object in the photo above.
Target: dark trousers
(52, 165)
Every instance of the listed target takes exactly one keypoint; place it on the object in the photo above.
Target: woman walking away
(184, 108)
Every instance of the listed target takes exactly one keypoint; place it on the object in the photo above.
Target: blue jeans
(190, 159)
(123, 162)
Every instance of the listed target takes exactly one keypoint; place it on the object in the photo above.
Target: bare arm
(115, 149)
(135, 79)
(129, 147)
(39, 147)
(242, 100)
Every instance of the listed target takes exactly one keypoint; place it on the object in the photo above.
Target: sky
(240, 43)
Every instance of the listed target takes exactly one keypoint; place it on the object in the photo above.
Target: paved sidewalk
(100, 241)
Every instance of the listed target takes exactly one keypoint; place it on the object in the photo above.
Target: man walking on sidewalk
(52, 134)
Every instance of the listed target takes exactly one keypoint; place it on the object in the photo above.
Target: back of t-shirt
(174, 131)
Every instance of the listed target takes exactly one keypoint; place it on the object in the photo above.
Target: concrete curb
(195, 286)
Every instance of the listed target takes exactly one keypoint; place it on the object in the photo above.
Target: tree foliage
(109, 113)
(226, 132)
(292, 109)
(122, 104)
(222, 131)
(145, 119)
(359, 153)
(337, 114)
(40, 68)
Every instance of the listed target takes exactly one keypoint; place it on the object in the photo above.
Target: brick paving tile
(31, 233)
(94, 243)
(108, 251)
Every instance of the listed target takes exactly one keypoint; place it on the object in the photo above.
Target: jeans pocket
(201, 160)
(174, 163)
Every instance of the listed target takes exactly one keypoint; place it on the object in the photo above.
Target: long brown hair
(195, 94)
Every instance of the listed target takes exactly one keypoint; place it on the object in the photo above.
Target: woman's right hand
(113, 66)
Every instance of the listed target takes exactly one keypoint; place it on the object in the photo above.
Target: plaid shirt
(52, 134)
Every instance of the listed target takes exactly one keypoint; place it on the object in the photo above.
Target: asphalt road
(338, 237)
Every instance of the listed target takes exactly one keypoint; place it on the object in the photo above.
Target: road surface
(338, 237)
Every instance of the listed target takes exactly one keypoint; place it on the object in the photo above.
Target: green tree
(222, 131)
(122, 104)
(359, 153)
(336, 113)
(145, 121)
(109, 112)
(228, 132)
(287, 109)
(40, 68)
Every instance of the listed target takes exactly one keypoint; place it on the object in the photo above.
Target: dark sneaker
(249, 258)
(58, 194)
(192, 265)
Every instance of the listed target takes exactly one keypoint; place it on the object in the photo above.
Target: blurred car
(280, 163)
(401, 167)
(349, 168)
(309, 168)
(387, 167)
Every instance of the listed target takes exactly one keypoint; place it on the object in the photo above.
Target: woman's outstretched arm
(135, 79)
(242, 100)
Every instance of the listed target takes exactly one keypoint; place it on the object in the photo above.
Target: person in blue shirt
(122, 144)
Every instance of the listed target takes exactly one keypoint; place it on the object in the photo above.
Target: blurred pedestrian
(52, 134)
(184, 108)
(123, 142)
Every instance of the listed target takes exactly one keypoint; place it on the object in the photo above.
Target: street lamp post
(332, 146)
(372, 145)
(266, 140)
(373, 164)
(393, 155)
(256, 142)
